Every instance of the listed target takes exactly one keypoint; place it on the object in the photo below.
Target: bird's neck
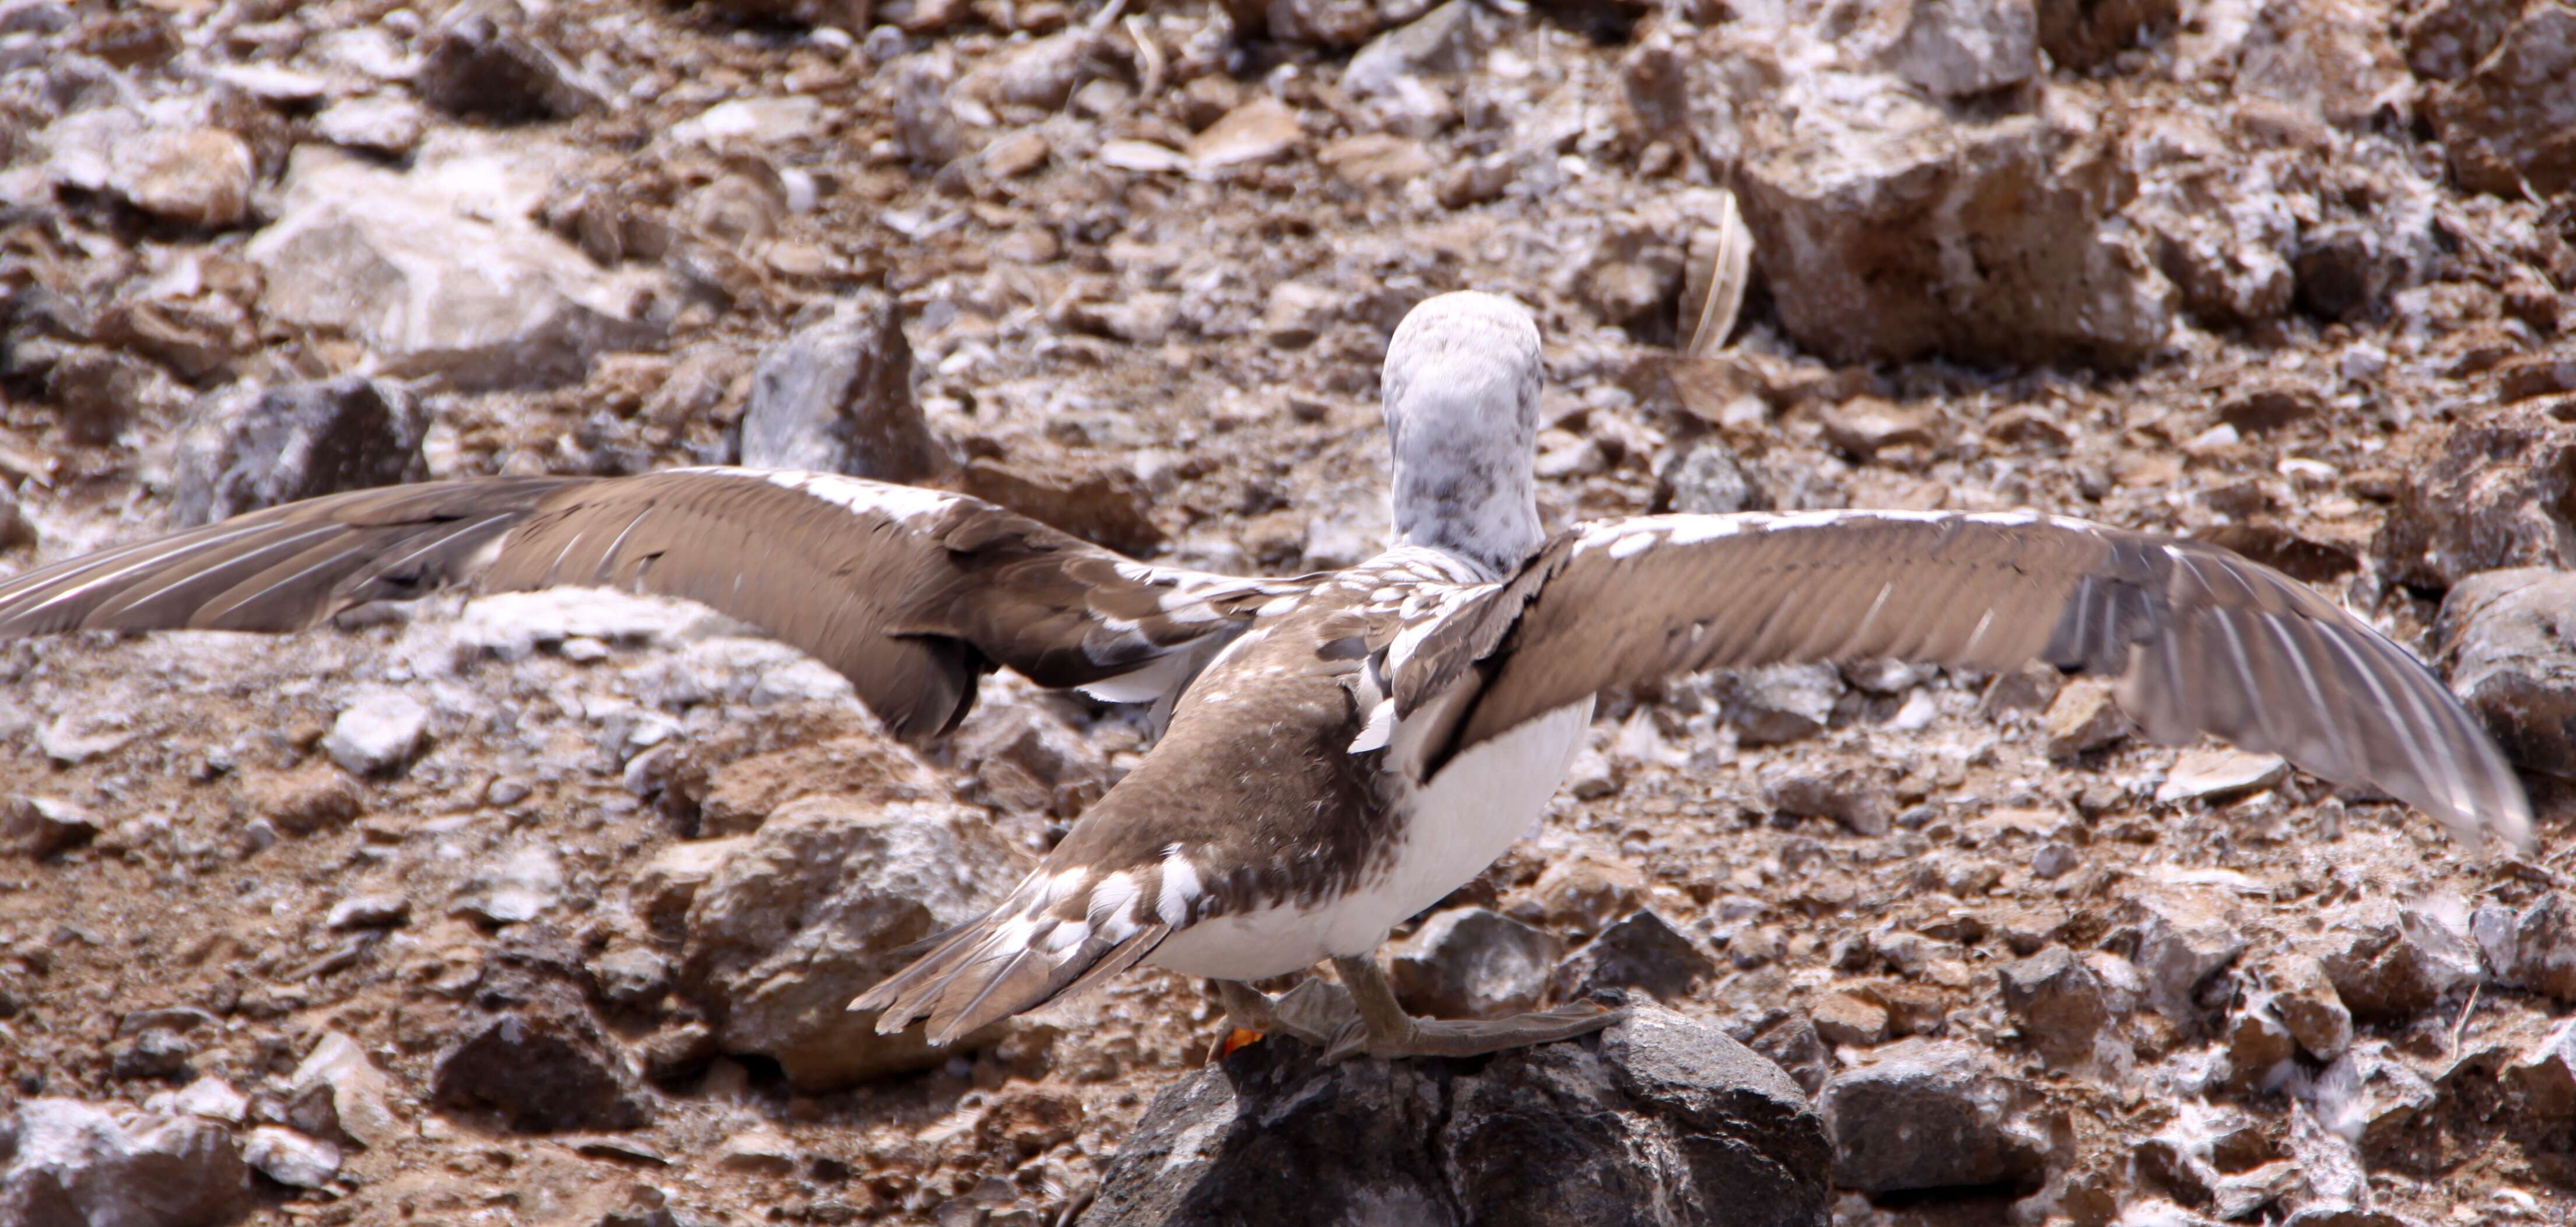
(1467, 497)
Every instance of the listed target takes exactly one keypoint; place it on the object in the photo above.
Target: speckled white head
(1461, 384)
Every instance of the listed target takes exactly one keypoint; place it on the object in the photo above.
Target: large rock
(836, 397)
(2503, 636)
(1889, 231)
(72, 1164)
(250, 447)
(1927, 1114)
(1661, 1120)
(2498, 490)
(2510, 124)
(815, 907)
(372, 253)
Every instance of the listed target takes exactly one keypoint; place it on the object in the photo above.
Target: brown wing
(2202, 640)
(911, 593)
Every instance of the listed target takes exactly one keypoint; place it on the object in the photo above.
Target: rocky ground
(540, 909)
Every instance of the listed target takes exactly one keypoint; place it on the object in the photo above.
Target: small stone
(212, 1098)
(43, 826)
(381, 911)
(2309, 1006)
(303, 801)
(515, 888)
(1442, 40)
(157, 1053)
(1925, 1114)
(2545, 1075)
(1865, 426)
(1641, 952)
(1592, 775)
(378, 123)
(1257, 131)
(201, 177)
(760, 1149)
(1961, 48)
(2083, 718)
(2079, 35)
(1581, 894)
(543, 1068)
(634, 976)
(2213, 774)
(290, 1158)
(76, 1163)
(836, 397)
(1473, 963)
(1782, 703)
(1853, 794)
(1707, 479)
(2270, 407)
(2258, 1044)
(2054, 860)
(377, 733)
(78, 737)
(2058, 1002)
(477, 64)
(1014, 154)
(2544, 947)
(1849, 1020)
(2185, 937)
(1377, 159)
(337, 1072)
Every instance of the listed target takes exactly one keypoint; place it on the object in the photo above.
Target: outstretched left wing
(2201, 639)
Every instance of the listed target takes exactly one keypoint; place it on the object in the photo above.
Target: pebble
(42, 826)
(377, 733)
(1782, 703)
(2058, 1002)
(2219, 774)
(373, 911)
(1848, 1019)
(291, 1158)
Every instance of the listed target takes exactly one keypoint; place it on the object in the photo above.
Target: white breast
(1449, 829)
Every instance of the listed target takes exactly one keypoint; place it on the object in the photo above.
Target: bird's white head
(1461, 384)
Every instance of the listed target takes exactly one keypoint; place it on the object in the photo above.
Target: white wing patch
(1180, 888)
(1380, 727)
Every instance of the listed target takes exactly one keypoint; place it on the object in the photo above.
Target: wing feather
(911, 593)
(2201, 639)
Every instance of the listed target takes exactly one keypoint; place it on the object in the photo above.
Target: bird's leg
(1314, 1011)
(1384, 1030)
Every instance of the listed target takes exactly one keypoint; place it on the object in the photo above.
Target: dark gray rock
(1473, 962)
(1639, 952)
(1659, 1120)
(481, 62)
(2511, 661)
(1928, 1114)
(836, 397)
(542, 1067)
(2058, 1001)
(73, 1164)
(249, 447)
